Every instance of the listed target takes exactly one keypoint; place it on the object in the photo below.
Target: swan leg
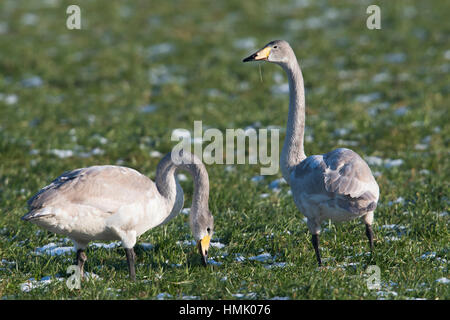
(315, 243)
(131, 257)
(81, 259)
(369, 233)
(368, 220)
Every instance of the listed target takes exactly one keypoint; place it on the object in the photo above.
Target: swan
(337, 185)
(119, 203)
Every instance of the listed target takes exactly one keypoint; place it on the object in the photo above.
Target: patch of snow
(275, 265)
(395, 57)
(443, 280)
(263, 257)
(150, 108)
(187, 243)
(160, 49)
(257, 178)
(401, 111)
(214, 262)
(276, 184)
(217, 245)
(184, 297)
(31, 283)
(111, 245)
(155, 154)
(53, 249)
(163, 296)
(32, 82)
(367, 98)
(280, 298)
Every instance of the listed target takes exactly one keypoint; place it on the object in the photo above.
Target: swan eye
(208, 229)
(275, 47)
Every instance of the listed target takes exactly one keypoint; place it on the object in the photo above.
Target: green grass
(95, 80)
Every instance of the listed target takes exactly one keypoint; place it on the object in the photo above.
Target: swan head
(277, 51)
(202, 226)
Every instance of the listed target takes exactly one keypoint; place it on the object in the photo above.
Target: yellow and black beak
(262, 54)
(203, 246)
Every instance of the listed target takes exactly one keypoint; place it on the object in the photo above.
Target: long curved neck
(293, 152)
(168, 186)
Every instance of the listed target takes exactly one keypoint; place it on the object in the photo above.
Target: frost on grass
(250, 295)
(213, 262)
(387, 163)
(155, 154)
(62, 154)
(32, 82)
(111, 245)
(160, 49)
(7, 264)
(443, 280)
(386, 294)
(53, 249)
(401, 111)
(263, 257)
(257, 178)
(163, 296)
(187, 297)
(276, 265)
(399, 200)
(186, 243)
(149, 108)
(161, 75)
(9, 99)
(239, 257)
(368, 98)
(396, 232)
(276, 184)
(217, 245)
(32, 283)
(431, 255)
(280, 298)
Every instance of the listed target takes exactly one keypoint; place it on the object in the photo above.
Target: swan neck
(168, 185)
(293, 150)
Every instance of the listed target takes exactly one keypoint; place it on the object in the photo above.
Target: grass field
(113, 92)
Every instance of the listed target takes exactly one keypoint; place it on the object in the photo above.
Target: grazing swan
(119, 203)
(337, 185)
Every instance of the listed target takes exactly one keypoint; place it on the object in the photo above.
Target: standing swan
(337, 185)
(119, 203)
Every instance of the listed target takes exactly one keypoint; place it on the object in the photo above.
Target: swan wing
(340, 176)
(348, 174)
(106, 188)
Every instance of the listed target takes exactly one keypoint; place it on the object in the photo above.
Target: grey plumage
(337, 185)
(119, 203)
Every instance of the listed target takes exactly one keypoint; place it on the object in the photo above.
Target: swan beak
(203, 246)
(262, 54)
